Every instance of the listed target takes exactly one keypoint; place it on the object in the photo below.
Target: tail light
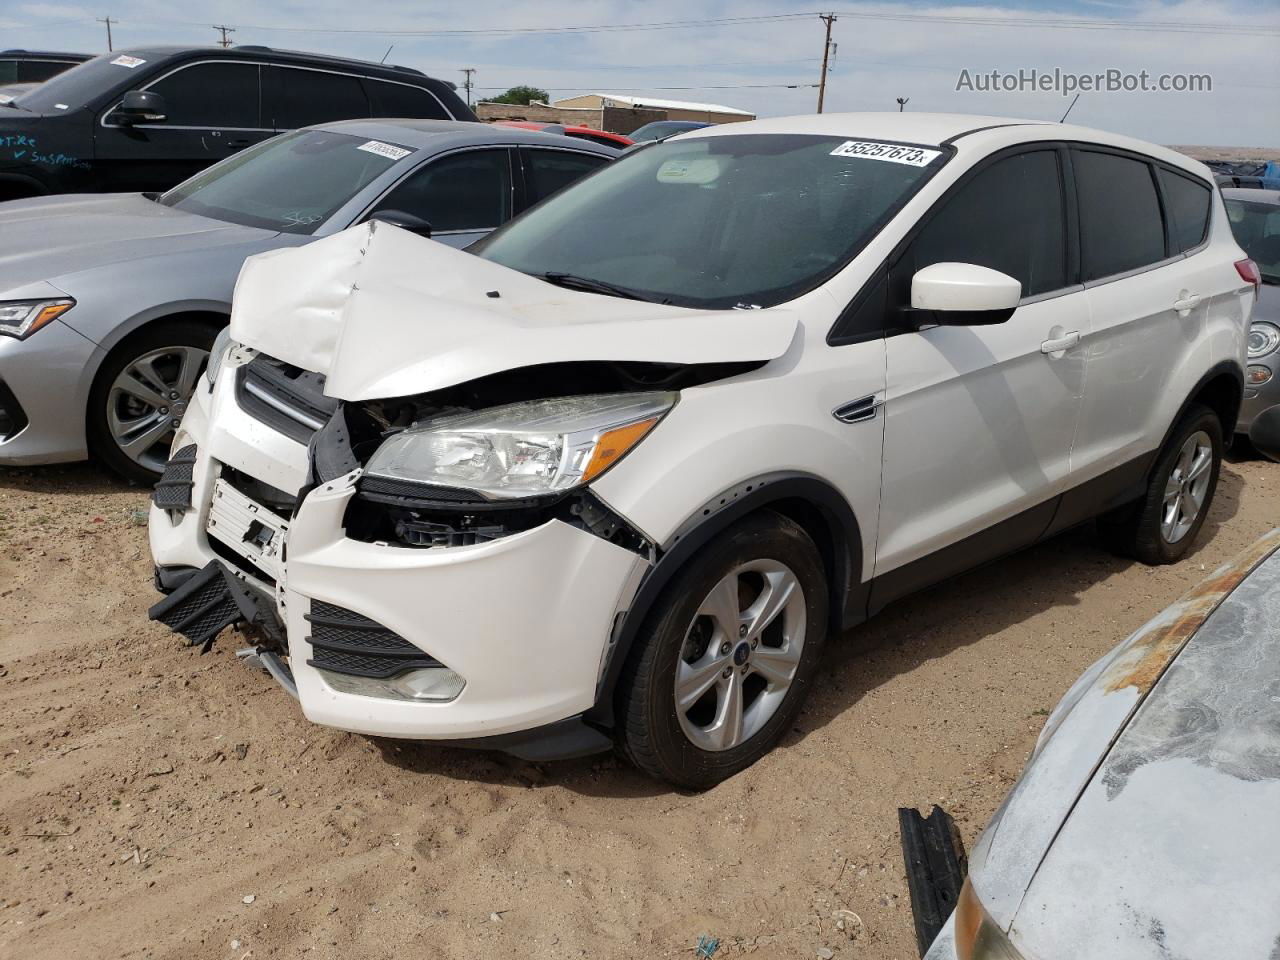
(1249, 273)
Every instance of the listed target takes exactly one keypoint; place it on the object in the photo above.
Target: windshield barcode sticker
(384, 150)
(126, 61)
(892, 152)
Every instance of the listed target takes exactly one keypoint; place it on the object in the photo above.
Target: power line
(225, 41)
(724, 86)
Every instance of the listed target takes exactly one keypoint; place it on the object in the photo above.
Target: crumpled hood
(385, 313)
(50, 237)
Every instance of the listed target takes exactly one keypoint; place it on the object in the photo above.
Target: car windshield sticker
(697, 170)
(126, 61)
(892, 152)
(60, 106)
(384, 149)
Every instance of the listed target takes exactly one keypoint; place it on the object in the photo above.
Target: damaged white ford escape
(618, 471)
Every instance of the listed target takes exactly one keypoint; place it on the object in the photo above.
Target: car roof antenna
(1069, 109)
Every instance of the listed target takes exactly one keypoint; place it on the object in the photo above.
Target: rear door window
(211, 95)
(470, 190)
(1009, 217)
(1121, 228)
(401, 100)
(549, 171)
(1187, 205)
(300, 97)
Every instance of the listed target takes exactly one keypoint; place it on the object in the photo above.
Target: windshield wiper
(572, 282)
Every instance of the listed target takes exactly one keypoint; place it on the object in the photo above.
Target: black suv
(149, 118)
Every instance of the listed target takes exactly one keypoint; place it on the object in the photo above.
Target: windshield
(664, 128)
(292, 183)
(718, 222)
(74, 88)
(1257, 228)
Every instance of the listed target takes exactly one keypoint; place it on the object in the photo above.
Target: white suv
(617, 472)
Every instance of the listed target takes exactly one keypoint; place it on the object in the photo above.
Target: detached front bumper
(524, 619)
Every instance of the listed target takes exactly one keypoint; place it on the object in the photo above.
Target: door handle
(238, 144)
(1186, 304)
(1058, 344)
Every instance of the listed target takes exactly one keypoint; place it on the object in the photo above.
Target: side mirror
(403, 220)
(964, 294)
(140, 106)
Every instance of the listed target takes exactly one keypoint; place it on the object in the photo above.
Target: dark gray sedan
(1255, 221)
(109, 304)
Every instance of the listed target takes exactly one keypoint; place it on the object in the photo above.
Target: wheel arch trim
(786, 492)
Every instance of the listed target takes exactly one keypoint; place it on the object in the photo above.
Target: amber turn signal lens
(613, 446)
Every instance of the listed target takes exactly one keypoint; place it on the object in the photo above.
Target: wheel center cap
(741, 654)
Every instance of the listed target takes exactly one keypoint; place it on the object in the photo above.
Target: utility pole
(828, 19)
(225, 41)
(108, 21)
(902, 102)
(467, 84)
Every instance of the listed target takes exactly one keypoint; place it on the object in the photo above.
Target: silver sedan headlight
(1263, 339)
(21, 318)
(525, 449)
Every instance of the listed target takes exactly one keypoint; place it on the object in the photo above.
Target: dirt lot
(156, 803)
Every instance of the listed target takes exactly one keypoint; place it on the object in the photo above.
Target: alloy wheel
(1184, 492)
(740, 655)
(147, 400)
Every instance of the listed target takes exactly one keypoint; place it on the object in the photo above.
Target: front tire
(1161, 527)
(727, 656)
(141, 393)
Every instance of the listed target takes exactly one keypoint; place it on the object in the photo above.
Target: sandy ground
(156, 803)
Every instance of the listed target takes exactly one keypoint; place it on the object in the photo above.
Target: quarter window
(211, 95)
(1009, 218)
(461, 191)
(302, 97)
(552, 170)
(1187, 203)
(1120, 224)
(401, 100)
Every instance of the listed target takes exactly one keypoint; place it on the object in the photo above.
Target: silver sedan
(109, 304)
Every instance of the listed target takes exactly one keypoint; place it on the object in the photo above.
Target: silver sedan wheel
(147, 400)
(1184, 493)
(740, 655)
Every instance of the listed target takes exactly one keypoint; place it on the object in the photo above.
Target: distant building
(612, 112)
(674, 109)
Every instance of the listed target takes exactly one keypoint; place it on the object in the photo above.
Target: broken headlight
(524, 449)
(217, 353)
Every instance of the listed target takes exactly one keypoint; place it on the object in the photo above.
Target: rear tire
(1161, 527)
(754, 675)
(155, 369)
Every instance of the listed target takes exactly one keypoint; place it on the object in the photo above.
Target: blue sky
(750, 65)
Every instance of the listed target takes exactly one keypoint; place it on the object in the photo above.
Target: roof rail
(396, 66)
(254, 46)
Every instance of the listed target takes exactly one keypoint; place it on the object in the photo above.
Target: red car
(571, 130)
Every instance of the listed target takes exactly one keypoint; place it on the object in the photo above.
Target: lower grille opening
(343, 641)
(13, 419)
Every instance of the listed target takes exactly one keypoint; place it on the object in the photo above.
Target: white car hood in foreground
(382, 312)
(1144, 822)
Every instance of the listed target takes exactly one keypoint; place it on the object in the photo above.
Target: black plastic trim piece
(565, 739)
(936, 868)
(844, 564)
(204, 605)
(173, 489)
(346, 642)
